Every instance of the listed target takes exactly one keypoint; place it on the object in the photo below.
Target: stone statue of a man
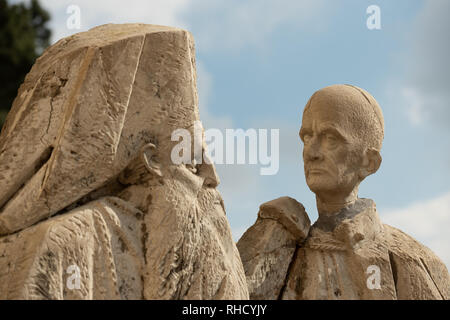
(91, 204)
(347, 253)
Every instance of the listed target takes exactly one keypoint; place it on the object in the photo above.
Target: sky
(259, 61)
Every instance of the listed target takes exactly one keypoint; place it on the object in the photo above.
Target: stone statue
(91, 205)
(347, 253)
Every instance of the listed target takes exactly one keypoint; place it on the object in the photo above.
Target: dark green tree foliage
(23, 36)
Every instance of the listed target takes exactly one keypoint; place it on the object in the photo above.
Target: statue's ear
(148, 157)
(141, 168)
(371, 162)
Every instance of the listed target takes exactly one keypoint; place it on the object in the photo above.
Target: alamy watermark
(373, 22)
(255, 152)
(73, 280)
(74, 19)
(374, 280)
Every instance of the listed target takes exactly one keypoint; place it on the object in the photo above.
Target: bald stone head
(342, 131)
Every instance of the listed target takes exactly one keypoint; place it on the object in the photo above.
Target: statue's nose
(312, 150)
(208, 172)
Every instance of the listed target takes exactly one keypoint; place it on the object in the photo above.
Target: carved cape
(338, 262)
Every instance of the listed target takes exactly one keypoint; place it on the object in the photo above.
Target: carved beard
(189, 251)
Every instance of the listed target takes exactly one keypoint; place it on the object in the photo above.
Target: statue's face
(187, 213)
(331, 153)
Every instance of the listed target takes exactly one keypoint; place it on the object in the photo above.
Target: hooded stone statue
(347, 253)
(91, 204)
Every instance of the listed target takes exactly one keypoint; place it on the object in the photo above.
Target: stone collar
(350, 227)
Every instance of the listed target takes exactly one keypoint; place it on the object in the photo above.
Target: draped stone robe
(98, 251)
(82, 119)
(349, 255)
(98, 243)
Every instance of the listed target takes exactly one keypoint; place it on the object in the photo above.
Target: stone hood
(89, 103)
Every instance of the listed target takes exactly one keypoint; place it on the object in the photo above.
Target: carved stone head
(92, 104)
(342, 131)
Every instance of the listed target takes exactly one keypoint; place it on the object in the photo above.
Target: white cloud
(415, 107)
(427, 222)
(233, 25)
(229, 25)
(427, 80)
(94, 13)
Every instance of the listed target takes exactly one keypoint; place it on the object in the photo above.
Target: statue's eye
(331, 139)
(193, 167)
(306, 137)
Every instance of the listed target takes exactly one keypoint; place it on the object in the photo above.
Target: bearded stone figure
(347, 253)
(91, 205)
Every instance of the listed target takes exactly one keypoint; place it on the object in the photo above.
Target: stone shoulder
(406, 246)
(289, 213)
(406, 250)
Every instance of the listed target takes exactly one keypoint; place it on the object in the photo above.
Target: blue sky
(258, 62)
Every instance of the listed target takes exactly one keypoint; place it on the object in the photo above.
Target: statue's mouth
(316, 171)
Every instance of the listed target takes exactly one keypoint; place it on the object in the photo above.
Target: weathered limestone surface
(268, 246)
(102, 239)
(347, 253)
(87, 180)
(334, 264)
(289, 213)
